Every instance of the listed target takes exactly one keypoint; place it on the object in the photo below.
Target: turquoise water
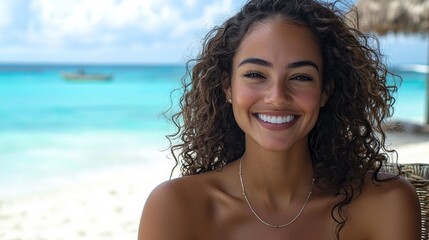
(38, 99)
(53, 130)
(411, 98)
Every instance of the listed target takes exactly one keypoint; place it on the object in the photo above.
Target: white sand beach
(108, 205)
(105, 206)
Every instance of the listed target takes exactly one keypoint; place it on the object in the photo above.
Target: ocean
(53, 131)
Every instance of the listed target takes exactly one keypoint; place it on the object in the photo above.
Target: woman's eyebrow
(303, 64)
(256, 61)
(264, 63)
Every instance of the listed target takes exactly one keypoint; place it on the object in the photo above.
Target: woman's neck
(277, 176)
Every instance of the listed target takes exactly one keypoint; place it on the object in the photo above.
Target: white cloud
(5, 18)
(64, 27)
(190, 3)
(211, 14)
(89, 21)
(108, 21)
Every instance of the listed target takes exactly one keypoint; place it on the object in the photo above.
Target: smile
(275, 119)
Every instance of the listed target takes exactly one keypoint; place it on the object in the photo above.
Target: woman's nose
(278, 94)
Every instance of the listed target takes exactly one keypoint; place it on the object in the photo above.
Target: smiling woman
(270, 83)
(281, 135)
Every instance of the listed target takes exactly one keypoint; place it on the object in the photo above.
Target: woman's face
(276, 84)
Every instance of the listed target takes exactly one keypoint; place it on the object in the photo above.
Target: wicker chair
(418, 175)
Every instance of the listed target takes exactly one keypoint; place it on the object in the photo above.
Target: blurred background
(55, 122)
(83, 84)
(133, 31)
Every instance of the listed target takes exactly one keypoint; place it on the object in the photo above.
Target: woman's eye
(253, 75)
(302, 78)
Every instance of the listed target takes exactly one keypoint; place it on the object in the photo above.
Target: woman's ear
(228, 94)
(327, 92)
(226, 84)
(324, 99)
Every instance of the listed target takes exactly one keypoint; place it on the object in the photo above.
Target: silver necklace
(259, 218)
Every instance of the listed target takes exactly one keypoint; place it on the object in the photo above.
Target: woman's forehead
(279, 40)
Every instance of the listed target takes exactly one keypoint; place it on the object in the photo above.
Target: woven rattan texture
(418, 175)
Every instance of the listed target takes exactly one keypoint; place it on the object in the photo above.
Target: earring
(229, 100)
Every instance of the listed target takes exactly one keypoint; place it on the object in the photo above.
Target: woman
(281, 135)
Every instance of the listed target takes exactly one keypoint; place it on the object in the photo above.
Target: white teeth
(275, 119)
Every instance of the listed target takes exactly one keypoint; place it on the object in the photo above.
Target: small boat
(82, 75)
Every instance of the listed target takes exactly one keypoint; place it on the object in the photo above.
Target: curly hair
(348, 140)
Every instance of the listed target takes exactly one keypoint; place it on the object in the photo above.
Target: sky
(132, 31)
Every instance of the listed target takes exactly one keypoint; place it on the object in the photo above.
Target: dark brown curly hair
(348, 140)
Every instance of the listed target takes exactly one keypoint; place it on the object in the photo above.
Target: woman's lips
(275, 119)
(276, 122)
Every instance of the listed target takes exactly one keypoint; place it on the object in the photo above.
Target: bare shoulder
(165, 210)
(389, 209)
(175, 205)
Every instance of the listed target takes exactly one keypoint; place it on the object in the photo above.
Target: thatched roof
(383, 16)
(398, 16)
